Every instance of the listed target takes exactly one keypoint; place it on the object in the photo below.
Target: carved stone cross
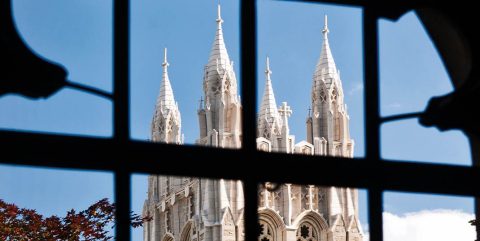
(285, 110)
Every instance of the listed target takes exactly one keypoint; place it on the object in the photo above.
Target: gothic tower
(220, 116)
(165, 128)
(167, 122)
(195, 209)
(328, 123)
(308, 212)
(220, 126)
(186, 208)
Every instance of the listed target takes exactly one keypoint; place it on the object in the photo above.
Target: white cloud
(426, 225)
(356, 87)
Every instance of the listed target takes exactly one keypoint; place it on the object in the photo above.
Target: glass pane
(308, 212)
(53, 192)
(76, 34)
(186, 208)
(192, 92)
(419, 217)
(407, 140)
(302, 96)
(411, 73)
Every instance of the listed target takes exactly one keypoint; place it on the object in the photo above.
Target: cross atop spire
(268, 72)
(219, 16)
(165, 64)
(325, 27)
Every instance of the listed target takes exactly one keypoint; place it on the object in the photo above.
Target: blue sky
(78, 34)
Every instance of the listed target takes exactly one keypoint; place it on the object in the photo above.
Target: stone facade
(196, 209)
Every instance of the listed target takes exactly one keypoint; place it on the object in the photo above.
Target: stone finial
(285, 110)
(325, 27)
(219, 16)
(268, 72)
(165, 63)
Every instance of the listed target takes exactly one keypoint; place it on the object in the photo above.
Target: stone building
(196, 209)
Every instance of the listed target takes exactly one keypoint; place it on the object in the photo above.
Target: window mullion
(372, 117)
(121, 116)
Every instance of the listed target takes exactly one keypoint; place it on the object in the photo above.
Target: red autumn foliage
(91, 224)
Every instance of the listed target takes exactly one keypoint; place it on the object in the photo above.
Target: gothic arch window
(188, 232)
(323, 95)
(170, 125)
(161, 126)
(276, 131)
(266, 232)
(334, 95)
(216, 87)
(227, 86)
(266, 132)
(168, 237)
(307, 232)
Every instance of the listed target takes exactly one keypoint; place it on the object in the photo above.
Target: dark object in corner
(458, 109)
(21, 71)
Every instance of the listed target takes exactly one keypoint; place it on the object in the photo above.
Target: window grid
(125, 157)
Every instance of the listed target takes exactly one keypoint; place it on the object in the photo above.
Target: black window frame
(123, 156)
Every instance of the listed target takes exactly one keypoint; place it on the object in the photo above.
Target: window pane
(411, 73)
(308, 212)
(418, 217)
(299, 61)
(186, 208)
(53, 192)
(192, 92)
(76, 34)
(407, 140)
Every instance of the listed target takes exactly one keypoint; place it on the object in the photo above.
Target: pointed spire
(326, 64)
(166, 107)
(166, 97)
(218, 52)
(268, 107)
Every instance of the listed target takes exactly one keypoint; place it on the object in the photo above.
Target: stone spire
(328, 125)
(220, 115)
(218, 54)
(273, 133)
(166, 124)
(166, 97)
(326, 65)
(268, 117)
